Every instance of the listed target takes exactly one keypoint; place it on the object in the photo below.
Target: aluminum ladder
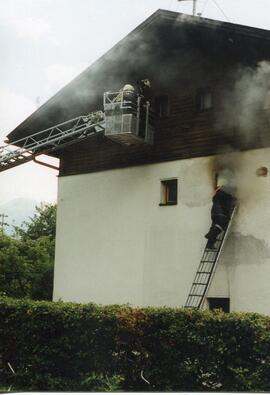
(206, 270)
(51, 139)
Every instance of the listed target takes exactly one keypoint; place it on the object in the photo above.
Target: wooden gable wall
(185, 132)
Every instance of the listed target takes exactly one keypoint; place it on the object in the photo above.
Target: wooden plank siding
(185, 133)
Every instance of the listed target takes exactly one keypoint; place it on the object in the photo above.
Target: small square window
(204, 99)
(168, 192)
(162, 106)
(219, 303)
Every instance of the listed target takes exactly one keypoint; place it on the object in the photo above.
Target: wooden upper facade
(207, 81)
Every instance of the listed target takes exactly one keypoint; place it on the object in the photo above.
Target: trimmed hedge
(74, 347)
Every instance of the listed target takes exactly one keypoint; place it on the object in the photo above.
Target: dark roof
(163, 29)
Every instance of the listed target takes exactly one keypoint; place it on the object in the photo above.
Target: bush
(74, 347)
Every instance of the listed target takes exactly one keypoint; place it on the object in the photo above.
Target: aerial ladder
(51, 139)
(124, 119)
(207, 268)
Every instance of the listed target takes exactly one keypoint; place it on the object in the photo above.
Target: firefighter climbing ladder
(51, 139)
(206, 270)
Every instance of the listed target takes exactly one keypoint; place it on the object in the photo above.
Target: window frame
(200, 99)
(165, 185)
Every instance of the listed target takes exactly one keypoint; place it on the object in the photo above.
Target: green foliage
(42, 224)
(26, 268)
(101, 382)
(74, 347)
(26, 260)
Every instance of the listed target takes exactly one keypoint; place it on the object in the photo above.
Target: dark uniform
(146, 94)
(145, 91)
(221, 211)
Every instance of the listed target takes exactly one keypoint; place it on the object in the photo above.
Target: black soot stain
(246, 250)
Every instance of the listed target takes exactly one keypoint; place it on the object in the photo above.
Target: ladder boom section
(51, 139)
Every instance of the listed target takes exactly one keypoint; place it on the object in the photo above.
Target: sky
(44, 44)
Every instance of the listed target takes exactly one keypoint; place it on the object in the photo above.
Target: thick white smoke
(246, 104)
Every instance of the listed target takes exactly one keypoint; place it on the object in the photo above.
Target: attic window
(168, 192)
(162, 106)
(219, 303)
(204, 99)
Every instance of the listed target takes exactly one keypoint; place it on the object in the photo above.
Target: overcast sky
(46, 43)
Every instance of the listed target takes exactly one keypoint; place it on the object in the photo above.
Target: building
(131, 219)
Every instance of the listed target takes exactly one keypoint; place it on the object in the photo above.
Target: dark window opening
(219, 303)
(162, 106)
(204, 99)
(168, 192)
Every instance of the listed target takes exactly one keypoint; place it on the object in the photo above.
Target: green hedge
(74, 347)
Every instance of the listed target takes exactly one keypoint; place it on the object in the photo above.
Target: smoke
(236, 173)
(225, 170)
(251, 91)
(160, 53)
(197, 19)
(244, 105)
(124, 63)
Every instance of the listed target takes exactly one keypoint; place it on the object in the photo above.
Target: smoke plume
(245, 104)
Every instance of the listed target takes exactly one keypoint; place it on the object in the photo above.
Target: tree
(43, 223)
(26, 260)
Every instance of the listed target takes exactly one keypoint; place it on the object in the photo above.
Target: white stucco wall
(115, 244)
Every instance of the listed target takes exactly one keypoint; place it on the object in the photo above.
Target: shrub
(75, 347)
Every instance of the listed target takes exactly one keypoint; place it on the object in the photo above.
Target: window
(204, 100)
(219, 303)
(168, 192)
(162, 106)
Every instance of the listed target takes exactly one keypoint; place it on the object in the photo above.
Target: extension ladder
(51, 139)
(206, 270)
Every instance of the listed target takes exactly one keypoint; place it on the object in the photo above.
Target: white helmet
(222, 182)
(128, 87)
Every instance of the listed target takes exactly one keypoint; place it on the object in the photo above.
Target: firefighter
(146, 95)
(126, 93)
(130, 98)
(223, 203)
(145, 90)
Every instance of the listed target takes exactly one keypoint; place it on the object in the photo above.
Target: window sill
(168, 204)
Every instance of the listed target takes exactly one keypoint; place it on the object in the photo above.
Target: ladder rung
(199, 283)
(203, 272)
(199, 296)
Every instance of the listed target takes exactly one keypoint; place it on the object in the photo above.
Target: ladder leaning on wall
(206, 270)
